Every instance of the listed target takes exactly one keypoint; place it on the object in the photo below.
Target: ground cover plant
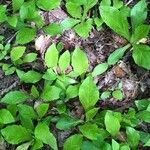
(74, 75)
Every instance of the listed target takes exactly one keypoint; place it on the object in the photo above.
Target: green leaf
(147, 143)
(51, 56)
(84, 28)
(26, 111)
(64, 60)
(6, 117)
(125, 147)
(88, 93)
(24, 146)
(17, 4)
(3, 16)
(87, 145)
(74, 142)
(50, 93)
(144, 116)
(79, 61)
(34, 92)
(53, 29)
(91, 113)
(115, 20)
(117, 94)
(67, 122)
(133, 137)
(42, 109)
(138, 14)
(99, 69)
(89, 4)
(49, 75)
(105, 95)
(17, 52)
(141, 55)
(15, 97)
(48, 4)
(25, 35)
(9, 133)
(42, 133)
(68, 23)
(74, 9)
(117, 55)
(142, 104)
(140, 32)
(72, 91)
(112, 123)
(38, 144)
(12, 20)
(30, 57)
(115, 145)
(90, 131)
(31, 77)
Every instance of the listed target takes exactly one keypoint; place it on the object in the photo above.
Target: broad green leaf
(87, 145)
(74, 9)
(115, 145)
(105, 95)
(115, 20)
(133, 137)
(48, 4)
(17, 52)
(74, 142)
(141, 55)
(91, 114)
(138, 14)
(140, 32)
(88, 93)
(49, 75)
(15, 97)
(99, 69)
(79, 61)
(51, 56)
(24, 146)
(34, 92)
(117, 55)
(31, 77)
(125, 147)
(64, 60)
(6, 117)
(25, 35)
(3, 16)
(26, 111)
(117, 94)
(144, 116)
(142, 104)
(30, 57)
(89, 4)
(42, 109)
(147, 143)
(72, 91)
(117, 3)
(42, 133)
(68, 23)
(84, 28)
(90, 131)
(53, 29)
(16, 4)
(50, 93)
(28, 11)
(67, 122)
(16, 134)
(105, 3)
(112, 123)
(38, 144)
(12, 20)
